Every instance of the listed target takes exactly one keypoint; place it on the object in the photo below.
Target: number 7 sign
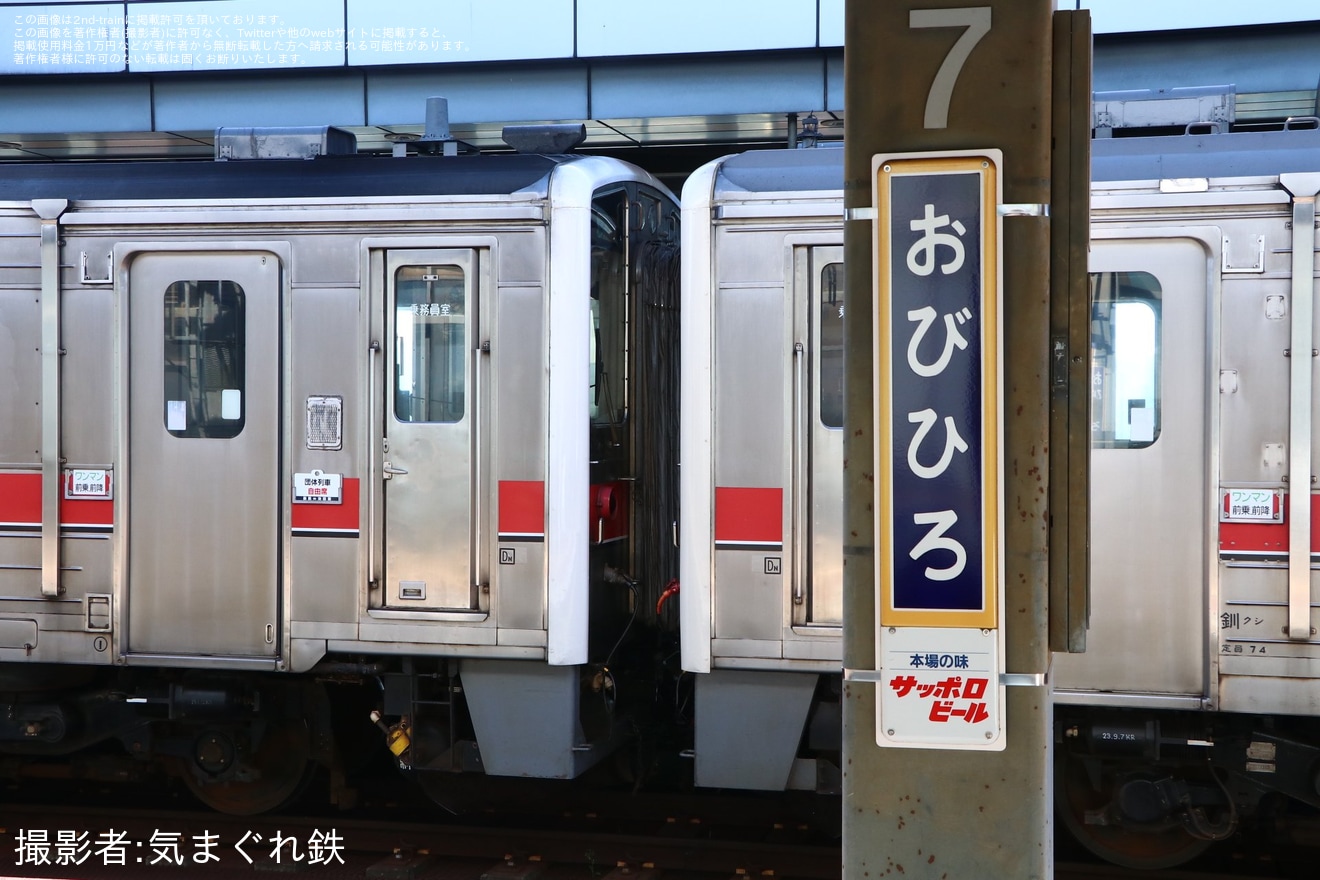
(976, 19)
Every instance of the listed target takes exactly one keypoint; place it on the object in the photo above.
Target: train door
(1150, 299)
(204, 368)
(431, 518)
(818, 477)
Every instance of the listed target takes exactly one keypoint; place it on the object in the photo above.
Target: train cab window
(430, 345)
(205, 336)
(609, 311)
(1125, 360)
(830, 345)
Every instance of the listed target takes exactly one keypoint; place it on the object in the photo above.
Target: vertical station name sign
(939, 440)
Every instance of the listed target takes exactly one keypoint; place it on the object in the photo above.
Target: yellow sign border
(885, 167)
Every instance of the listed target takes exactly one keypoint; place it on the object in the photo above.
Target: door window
(430, 346)
(609, 312)
(1125, 360)
(205, 341)
(831, 345)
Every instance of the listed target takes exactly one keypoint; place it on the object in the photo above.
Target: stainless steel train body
(1196, 701)
(342, 415)
(762, 452)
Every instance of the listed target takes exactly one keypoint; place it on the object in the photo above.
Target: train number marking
(976, 19)
(1117, 736)
(507, 555)
(773, 565)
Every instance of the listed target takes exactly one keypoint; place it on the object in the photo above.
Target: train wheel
(1075, 795)
(435, 771)
(452, 792)
(264, 780)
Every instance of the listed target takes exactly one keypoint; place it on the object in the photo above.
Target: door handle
(390, 470)
(801, 429)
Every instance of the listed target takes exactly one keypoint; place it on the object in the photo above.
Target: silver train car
(761, 558)
(275, 426)
(1196, 707)
(1194, 711)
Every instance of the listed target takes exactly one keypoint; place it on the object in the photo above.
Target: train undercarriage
(1147, 790)
(241, 745)
(249, 744)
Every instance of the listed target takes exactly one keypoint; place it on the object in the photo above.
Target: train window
(430, 346)
(1125, 360)
(831, 345)
(609, 311)
(205, 335)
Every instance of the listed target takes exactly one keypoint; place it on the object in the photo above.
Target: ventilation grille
(325, 422)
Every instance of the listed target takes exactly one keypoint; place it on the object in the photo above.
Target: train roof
(1222, 155)
(323, 177)
(1238, 154)
(813, 170)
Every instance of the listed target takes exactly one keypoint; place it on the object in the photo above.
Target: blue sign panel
(937, 390)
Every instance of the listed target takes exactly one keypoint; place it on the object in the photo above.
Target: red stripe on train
(20, 504)
(331, 517)
(1249, 537)
(522, 507)
(20, 499)
(749, 516)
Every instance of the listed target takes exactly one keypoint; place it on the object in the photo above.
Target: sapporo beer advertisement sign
(939, 642)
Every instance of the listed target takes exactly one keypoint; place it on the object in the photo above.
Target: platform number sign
(976, 23)
(938, 461)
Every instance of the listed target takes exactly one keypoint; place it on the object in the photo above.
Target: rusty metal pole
(925, 76)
